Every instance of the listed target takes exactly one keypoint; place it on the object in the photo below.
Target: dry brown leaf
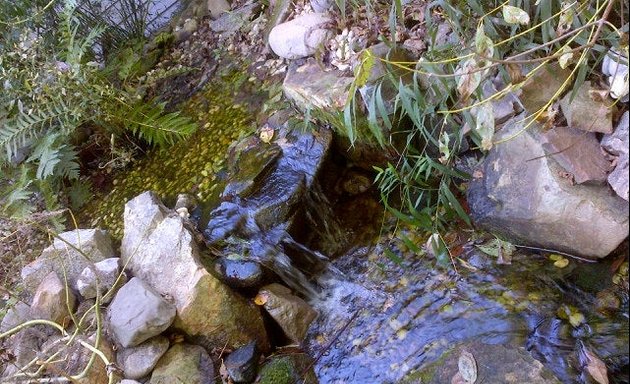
(596, 367)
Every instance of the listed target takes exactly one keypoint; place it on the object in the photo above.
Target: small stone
(137, 362)
(107, 272)
(52, 301)
(241, 364)
(138, 313)
(293, 314)
(184, 363)
(586, 113)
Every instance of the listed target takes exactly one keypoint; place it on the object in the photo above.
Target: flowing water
(382, 322)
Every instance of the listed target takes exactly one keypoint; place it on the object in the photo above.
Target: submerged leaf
(595, 367)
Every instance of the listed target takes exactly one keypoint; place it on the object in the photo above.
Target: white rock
(617, 143)
(107, 272)
(138, 313)
(68, 258)
(300, 37)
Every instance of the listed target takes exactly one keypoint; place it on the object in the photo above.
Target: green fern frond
(150, 123)
(14, 199)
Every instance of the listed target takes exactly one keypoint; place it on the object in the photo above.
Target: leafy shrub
(50, 89)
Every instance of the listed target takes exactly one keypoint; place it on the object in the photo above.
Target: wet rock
(52, 301)
(239, 273)
(310, 87)
(184, 363)
(495, 364)
(520, 193)
(156, 242)
(300, 37)
(75, 358)
(288, 369)
(586, 112)
(95, 245)
(138, 313)
(241, 364)
(293, 314)
(579, 153)
(542, 86)
(102, 275)
(137, 362)
(617, 144)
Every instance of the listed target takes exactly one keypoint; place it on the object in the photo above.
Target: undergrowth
(442, 111)
(55, 93)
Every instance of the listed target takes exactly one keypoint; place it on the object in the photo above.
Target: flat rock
(579, 153)
(587, 113)
(52, 300)
(293, 314)
(495, 364)
(103, 275)
(311, 87)
(138, 313)
(68, 256)
(540, 88)
(300, 37)
(617, 144)
(158, 248)
(138, 362)
(184, 363)
(519, 192)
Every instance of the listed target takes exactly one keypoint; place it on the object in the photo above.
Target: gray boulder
(159, 249)
(520, 192)
(138, 313)
(68, 256)
(301, 37)
(103, 275)
(617, 143)
(137, 362)
(184, 363)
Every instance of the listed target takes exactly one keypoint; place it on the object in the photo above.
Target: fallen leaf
(561, 263)
(266, 134)
(515, 15)
(542, 85)
(261, 298)
(595, 367)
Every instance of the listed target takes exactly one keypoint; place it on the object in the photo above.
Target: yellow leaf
(261, 298)
(266, 134)
(566, 57)
(561, 263)
(576, 319)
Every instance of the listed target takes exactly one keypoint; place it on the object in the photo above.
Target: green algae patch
(288, 369)
(190, 166)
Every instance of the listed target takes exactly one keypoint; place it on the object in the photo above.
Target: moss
(190, 166)
(278, 371)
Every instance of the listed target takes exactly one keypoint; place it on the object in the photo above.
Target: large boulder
(520, 192)
(302, 36)
(138, 313)
(159, 249)
(68, 256)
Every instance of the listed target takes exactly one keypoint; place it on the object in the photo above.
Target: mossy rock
(288, 369)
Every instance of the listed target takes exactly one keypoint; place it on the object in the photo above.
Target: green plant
(51, 90)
